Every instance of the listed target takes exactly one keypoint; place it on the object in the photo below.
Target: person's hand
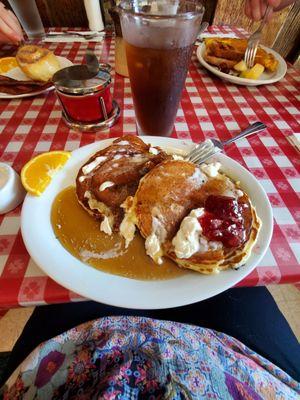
(255, 9)
(10, 29)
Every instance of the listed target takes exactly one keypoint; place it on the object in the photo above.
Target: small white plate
(115, 290)
(18, 74)
(265, 79)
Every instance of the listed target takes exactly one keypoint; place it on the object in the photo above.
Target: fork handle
(269, 9)
(253, 128)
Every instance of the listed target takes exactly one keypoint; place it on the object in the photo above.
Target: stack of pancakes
(166, 200)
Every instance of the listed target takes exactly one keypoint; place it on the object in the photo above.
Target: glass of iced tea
(159, 37)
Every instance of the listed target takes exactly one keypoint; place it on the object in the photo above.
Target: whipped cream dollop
(123, 143)
(82, 178)
(212, 169)
(177, 157)
(153, 248)
(127, 227)
(105, 185)
(93, 164)
(153, 150)
(106, 225)
(153, 243)
(189, 239)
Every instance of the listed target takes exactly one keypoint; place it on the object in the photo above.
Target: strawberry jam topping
(223, 220)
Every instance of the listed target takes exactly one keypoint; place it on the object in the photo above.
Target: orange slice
(38, 172)
(7, 63)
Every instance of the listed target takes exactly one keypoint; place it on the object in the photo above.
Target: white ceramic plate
(265, 78)
(18, 74)
(115, 290)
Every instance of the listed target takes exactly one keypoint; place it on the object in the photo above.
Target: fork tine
(252, 58)
(200, 147)
(254, 48)
(246, 56)
(205, 148)
(205, 156)
(197, 154)
(254, 52)
(249, 56)
(194, 151)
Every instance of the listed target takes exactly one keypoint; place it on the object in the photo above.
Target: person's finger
(248, 9)
(12, 21)
(274, 3)
(8, 32)
(263, 7)
(256, 10)
(283, 4)
(5, 39)
(14, 24)
(9, 25)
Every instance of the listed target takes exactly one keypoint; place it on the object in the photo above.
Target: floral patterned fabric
(132, 358)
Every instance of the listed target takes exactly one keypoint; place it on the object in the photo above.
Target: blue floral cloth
(132, 358)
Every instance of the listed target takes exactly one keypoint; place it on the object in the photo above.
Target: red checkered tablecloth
(209, 108)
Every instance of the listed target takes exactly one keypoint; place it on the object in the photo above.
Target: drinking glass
(29, 17)
(159, 37)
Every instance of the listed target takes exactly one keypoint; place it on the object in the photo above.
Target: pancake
(165, 207)
(161, 202)
(111, 175)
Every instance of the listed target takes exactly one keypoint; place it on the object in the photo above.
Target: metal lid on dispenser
(78, 79)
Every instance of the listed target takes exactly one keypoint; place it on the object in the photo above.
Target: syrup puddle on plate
(80, 234)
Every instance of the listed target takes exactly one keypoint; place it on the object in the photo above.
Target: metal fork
(254, 40)
(208, 148)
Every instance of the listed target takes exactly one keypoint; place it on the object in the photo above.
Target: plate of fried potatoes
(224, 58)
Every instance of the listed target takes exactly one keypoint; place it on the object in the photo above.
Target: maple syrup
(80, 234)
